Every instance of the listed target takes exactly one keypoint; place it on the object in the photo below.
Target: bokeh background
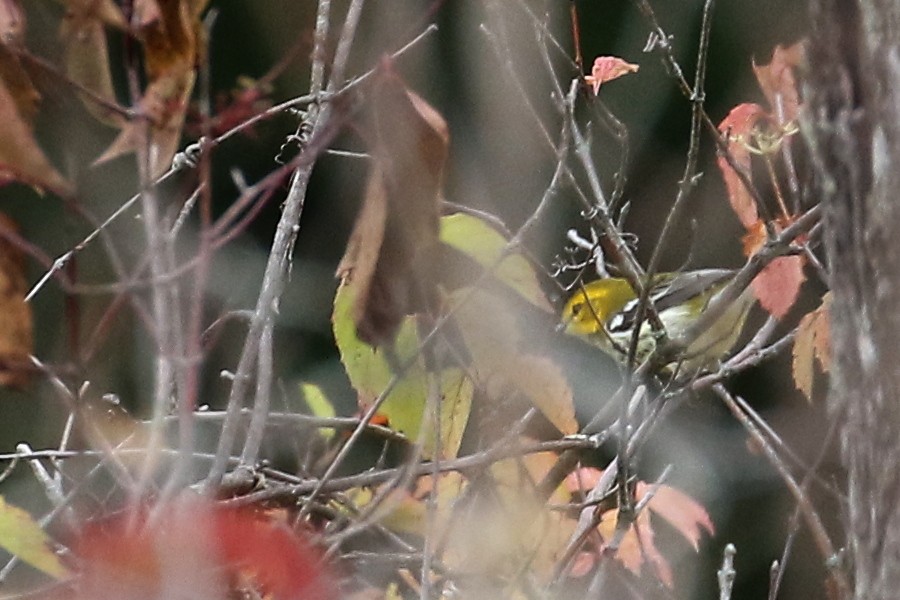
(484, 71)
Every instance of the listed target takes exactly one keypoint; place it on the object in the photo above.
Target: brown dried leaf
(502, 367)
(83, 33)
(171, 41)
(15, 313)
(20, 157)
(812, 344)
(16, 79)
(395, 238)
(165, 105)
(18, 84)
(173, 46)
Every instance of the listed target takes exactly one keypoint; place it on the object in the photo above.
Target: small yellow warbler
(604, 312)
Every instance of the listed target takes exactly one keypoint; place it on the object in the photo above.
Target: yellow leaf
(370, 374)
(22, 537)
(485, 245)
(319, 405)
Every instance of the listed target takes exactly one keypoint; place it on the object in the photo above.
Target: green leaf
(319, 405)
(21, 536)
(484, 244)
(370, 374)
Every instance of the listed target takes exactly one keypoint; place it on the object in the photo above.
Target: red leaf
(279, 560)
(778, 285)
(607, 68)
(680, 510)
(738, 126)
(636, 546)
(199, 551)
(778, 84)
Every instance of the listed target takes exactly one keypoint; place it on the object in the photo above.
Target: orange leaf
(755, 238)
(607, 68)
(778, 285)
(636, 546)
(738, 127)
(778, 84)
(823, 334)
(394, 241)
(681, 511)
(812, 344)
(172, 41)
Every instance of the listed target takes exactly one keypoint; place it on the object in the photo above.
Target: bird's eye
(577, 308)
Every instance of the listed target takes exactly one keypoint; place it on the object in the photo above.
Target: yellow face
(588, 310)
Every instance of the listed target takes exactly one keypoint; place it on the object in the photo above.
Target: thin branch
(820, 536)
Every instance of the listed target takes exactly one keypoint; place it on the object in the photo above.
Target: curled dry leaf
(15, 313)
(21, 158)
(19, 84)
(173, 45)
(163, 109)
(390, 255)
(607, 68)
